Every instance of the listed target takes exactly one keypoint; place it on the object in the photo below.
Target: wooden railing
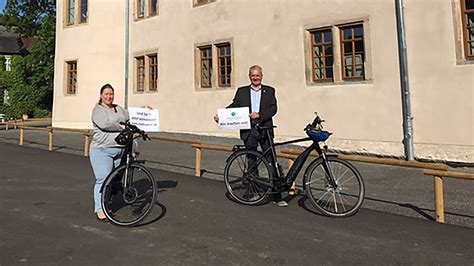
(439, 188)
(13, 123)
(200, 146)
(19, 122)
(174, 139)
(374, 160)
(86, 132)
(438, 171)
(88, 136)
(435, 169)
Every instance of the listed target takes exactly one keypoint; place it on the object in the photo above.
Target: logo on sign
(233, 113)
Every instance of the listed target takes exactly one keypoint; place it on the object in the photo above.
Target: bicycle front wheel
(340, 200)
(247, 177)
(128, 204)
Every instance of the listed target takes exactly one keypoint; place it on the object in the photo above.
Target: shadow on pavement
(160, 215)
(166, 184)
(169, 164)
(162, 186)
(154, 215)
(45, 145)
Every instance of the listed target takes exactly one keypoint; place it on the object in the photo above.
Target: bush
(41, 113)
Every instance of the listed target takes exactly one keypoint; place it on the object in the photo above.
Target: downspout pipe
(405, 88)
(127, 39)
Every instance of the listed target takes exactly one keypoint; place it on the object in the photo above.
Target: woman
(105, 152)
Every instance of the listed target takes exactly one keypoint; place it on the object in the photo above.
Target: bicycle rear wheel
(128, 205)
(248, 183)
(340, 201)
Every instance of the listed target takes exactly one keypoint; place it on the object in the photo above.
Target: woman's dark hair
(106, 86)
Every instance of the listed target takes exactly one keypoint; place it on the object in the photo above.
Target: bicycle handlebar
(257, 126)
(134, 129)
(317, 123)
(317, 120)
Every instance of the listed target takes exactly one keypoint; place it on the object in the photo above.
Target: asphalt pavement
(47, 219)
(398, 190)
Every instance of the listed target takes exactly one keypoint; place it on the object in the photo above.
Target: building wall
(365, 116)
(442, 85)
(98, 46)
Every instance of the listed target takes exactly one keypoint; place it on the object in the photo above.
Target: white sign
(234, 118)
(145, 118)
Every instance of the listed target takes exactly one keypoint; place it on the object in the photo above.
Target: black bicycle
(129, 192)
(334, 186)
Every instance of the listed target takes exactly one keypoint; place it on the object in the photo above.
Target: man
(262, 103)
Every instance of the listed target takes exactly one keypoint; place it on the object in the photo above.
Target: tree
(30, 82)
(27, 16)
(2, 20)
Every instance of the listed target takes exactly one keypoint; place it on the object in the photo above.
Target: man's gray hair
(255, 67)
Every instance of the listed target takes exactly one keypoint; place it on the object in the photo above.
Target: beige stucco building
(339, 58)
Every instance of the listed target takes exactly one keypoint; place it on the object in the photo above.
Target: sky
(2, 5)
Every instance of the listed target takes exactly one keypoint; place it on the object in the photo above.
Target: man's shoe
(282, 203)
(254, 198)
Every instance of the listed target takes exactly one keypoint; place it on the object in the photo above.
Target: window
(83, 11)
(352, 50)
(322, 55)
(208, 76)
(152, 7)
(224, 64)
(467, 13)
(140, 61)
(146, 8)
(153, 70)
(76, 9)
(141, 8)
(70, 12)
(71, 77)
(202, 2)
(206, 66)
(146, 73)
(328, 45)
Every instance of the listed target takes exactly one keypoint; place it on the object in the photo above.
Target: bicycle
(129, 191)
(333, 186)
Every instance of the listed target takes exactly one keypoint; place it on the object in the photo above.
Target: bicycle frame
(123, 186)
(127, 159)
(297, 165)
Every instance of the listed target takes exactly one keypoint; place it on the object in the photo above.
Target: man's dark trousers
(251, 143)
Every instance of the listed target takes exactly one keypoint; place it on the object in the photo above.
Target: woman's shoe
(102, 220)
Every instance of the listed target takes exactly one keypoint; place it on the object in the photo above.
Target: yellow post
(22, 135)
(290, 163)
(50, 144)
(198, 161)
(439, 199)
(86, 144)
(293, 186)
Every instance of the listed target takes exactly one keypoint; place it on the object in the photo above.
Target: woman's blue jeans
(103, 161)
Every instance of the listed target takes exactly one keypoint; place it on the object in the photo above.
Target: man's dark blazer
(268, 106)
